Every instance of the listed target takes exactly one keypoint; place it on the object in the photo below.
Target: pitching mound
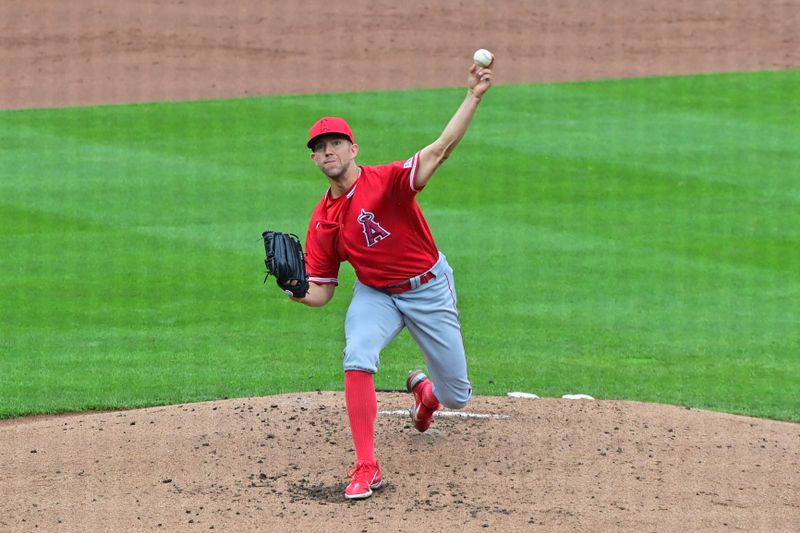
(279, 463)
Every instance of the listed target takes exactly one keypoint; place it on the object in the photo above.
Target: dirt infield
(278, 463)
(56, 53)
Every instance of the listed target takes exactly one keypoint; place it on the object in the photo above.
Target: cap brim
(311, 141)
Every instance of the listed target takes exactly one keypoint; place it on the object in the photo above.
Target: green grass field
(633, 239)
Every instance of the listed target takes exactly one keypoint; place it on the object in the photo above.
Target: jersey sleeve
(402, 174)
(322, 264)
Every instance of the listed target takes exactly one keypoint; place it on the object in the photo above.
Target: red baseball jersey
(377, 226)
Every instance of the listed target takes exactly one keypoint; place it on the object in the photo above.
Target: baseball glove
(285, 261)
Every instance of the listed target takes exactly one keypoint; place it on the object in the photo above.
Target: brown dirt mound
(278, 463)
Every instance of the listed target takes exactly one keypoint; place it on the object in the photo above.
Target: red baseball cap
(329, 125)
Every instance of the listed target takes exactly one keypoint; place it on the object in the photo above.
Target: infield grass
(633, 239)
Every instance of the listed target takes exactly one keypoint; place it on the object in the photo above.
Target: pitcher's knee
(455, 405)
(360, 359)
(454, 398)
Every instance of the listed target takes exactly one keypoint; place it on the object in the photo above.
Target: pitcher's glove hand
(285, 261)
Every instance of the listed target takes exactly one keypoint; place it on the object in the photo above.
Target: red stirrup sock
(430, 403)
(362, 408)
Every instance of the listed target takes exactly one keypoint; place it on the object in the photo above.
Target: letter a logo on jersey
(372, 230)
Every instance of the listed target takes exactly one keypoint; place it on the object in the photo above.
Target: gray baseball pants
(429, 311)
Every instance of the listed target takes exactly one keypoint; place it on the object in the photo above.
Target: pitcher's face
(334, 154)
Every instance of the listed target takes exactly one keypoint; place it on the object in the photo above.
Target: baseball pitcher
(369, 216)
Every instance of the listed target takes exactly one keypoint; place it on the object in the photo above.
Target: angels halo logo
(373, 231)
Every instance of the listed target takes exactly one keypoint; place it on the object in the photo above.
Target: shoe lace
(361, 469)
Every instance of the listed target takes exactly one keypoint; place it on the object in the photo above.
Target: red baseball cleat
(365, 476)
(421, 414)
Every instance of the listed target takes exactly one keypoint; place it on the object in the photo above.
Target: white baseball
(483, 57)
